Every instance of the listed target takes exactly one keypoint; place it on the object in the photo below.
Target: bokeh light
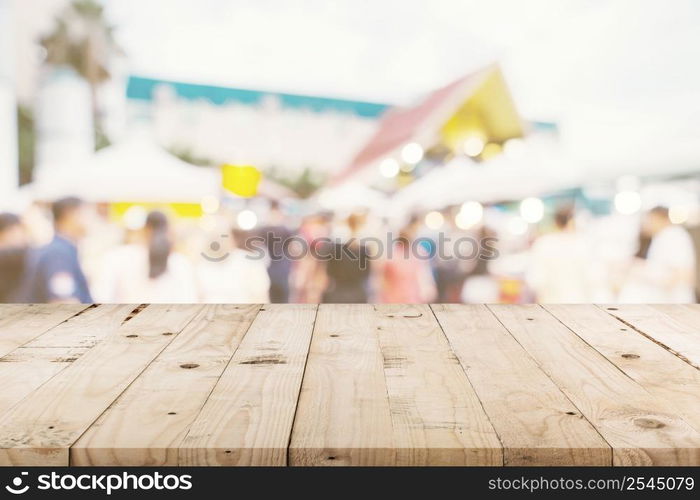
(389, 167)
(469, 215)
(434, 220)
(246, 219)
(532, 210)
(412, 153)
(628, 202)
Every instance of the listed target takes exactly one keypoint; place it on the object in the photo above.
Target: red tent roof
(402, 125)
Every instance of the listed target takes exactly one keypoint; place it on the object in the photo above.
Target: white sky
(556, 53)
(621, 77)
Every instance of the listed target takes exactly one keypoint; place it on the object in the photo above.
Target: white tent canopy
(136, 170)
(351, 196)
(500, 179)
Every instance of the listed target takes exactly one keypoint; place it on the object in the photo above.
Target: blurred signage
(242, 180)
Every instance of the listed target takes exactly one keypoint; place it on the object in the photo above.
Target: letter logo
(16, 488)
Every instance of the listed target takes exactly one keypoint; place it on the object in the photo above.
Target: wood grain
(344, 416)
(87, 329)
(437, 417)
(349, 384)
(674, 326)
(383, 388)
(535, 421)
(40, 429)
(29, 366)
(149, 421)
(10, 312)
(26, 368)
(247, 419)
(21, 324)
(640, 429)
(656, 369)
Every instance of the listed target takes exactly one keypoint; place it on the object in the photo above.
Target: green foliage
(303, 184)
(82, 40)
(186, 155)
(101, 139)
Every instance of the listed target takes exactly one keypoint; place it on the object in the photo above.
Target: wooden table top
(349, 385)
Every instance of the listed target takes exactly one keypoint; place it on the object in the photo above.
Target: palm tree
(82, 40)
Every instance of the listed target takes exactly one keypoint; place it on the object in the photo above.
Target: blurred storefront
(288, 132)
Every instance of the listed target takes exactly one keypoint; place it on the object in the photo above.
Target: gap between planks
(641, 430)
(150, 419)
(40, 429)
(623, 455)
(668, 325)
(536, 422)
(657, 369)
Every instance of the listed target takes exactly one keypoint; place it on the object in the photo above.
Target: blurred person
(237, 277)
(275, 234)
(309, 275)
(626, 280)
(14, 254)
(348, 270)
(480, 286)
(663, 270)
(405, 275)
(450, 271)
(558, 270)
(55, 273)
(147, 269)
(104, 236)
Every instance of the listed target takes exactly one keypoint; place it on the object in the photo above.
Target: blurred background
(144, 143)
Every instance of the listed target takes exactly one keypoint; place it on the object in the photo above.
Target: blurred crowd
(87, 256)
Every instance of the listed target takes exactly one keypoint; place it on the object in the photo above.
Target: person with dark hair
(664, 271)
(450, 271)
(159, 244)
(55, 273)
(349, 269)
(559, 263)
(14, 251)
(481, 286)
(276, 236)
(147, 269)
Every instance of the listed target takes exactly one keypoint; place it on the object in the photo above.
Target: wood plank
(10, 311)
(149, 421)
(25, 323)
(40, 429)
(437, 417)
(640, 429)
(248, 418)
(343, 417)
(659, 371)
(687, 314)
(27, 367)
(86, 329)
(675, 327)
(535, 421)
(382, 387)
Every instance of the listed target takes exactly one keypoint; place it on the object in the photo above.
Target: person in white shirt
(559, 262)
(147, 270)
(666, 274)
(239, 276)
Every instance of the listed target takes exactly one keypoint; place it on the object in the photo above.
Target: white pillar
(9, 160)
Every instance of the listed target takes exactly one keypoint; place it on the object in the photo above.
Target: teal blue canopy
(143, 89)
